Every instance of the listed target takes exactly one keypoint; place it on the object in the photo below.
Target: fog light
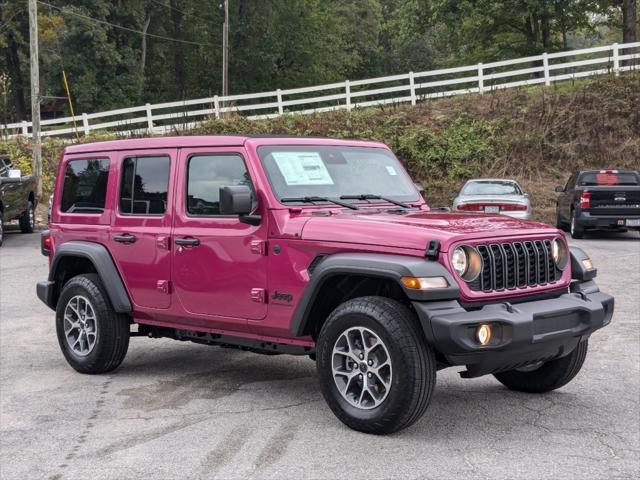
(483, 334)
(588, 264)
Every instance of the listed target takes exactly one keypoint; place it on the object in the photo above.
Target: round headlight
(459, 261)
(466, 263)
(559, 253)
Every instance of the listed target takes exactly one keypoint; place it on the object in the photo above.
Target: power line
(104, 22)
(160, 4)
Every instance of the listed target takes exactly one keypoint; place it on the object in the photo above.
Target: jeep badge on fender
(315, 247)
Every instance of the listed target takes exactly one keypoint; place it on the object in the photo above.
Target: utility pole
(225, 50)
(35, 94)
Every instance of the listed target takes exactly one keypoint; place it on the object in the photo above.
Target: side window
(571, 182)
(206, 174)
(144, 185)
(85, 186)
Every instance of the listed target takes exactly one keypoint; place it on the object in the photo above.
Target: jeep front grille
(507, 266)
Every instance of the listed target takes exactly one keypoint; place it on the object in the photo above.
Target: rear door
(221, 279)
(141, 225)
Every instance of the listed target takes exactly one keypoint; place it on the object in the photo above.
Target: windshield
(332, 172)
(494, 187)
(608, 178)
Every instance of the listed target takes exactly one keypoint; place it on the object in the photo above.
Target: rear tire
(576, 230)
(92, 336)
(387, 388)
(549, 376)
(28, 220)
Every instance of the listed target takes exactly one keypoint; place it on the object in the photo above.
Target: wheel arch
(343, 276)
(77, 257)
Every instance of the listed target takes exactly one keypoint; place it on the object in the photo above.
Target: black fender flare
(99, 256)
(379, 265)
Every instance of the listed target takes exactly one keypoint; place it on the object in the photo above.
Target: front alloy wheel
(376, 371)
(362, 368)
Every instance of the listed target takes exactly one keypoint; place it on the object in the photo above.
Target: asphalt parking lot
(181, 410)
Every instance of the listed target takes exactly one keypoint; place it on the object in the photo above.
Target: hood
(414, 230)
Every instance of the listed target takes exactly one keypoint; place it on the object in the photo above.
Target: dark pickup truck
(599, 200)
(17, 197)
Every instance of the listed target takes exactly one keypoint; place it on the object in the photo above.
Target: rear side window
(207, 174)
(85, 186)
(144, 185)
(608, 177)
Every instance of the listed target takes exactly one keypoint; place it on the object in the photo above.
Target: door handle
(126, 238)
(187, 242)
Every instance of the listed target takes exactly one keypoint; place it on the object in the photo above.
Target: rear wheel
(92, 336)
(576, 230)
(376, 371)
(28, 220)
(549, 375)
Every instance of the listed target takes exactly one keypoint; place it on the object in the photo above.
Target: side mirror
(238, 200)
(15, 173)
(559, 189)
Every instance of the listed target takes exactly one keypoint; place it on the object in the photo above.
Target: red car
(313, 247)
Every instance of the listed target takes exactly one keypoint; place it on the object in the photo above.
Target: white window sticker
(302, 168)
(391, 170)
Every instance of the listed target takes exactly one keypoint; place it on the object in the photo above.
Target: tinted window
(492, 188)
(85, 186)
(145, 181)
(207, 174)
(608, 178)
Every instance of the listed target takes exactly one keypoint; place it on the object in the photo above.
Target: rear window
(85, 186)
(604, 178)
(492, 188)
(144, 185)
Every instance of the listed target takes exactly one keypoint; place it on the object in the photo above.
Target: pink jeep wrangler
(313, 247)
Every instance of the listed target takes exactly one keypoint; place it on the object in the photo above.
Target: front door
(219, 263)
(141, 226)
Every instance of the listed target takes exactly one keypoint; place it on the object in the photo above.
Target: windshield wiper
(374, 197)
(319, 199)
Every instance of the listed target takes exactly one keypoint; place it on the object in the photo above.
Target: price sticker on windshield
(302, 168)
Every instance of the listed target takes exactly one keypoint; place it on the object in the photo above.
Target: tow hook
(508, 306)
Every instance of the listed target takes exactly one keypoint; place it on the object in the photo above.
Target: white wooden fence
(409, 87)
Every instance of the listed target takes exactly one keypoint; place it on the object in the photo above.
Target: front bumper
(587, 220)
(524, 333)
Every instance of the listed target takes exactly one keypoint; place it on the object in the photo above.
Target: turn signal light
(425, 283)
(587, 263)
(484, 334)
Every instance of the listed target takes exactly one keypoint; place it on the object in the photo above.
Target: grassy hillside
(535, 135)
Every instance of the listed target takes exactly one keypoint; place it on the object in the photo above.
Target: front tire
(28, 219)
(576, 230)
(92, 336)
(376, 371)
(549, 376)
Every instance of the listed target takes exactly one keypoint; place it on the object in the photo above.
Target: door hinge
(164, 286)
(259, 295)
(259, 247)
